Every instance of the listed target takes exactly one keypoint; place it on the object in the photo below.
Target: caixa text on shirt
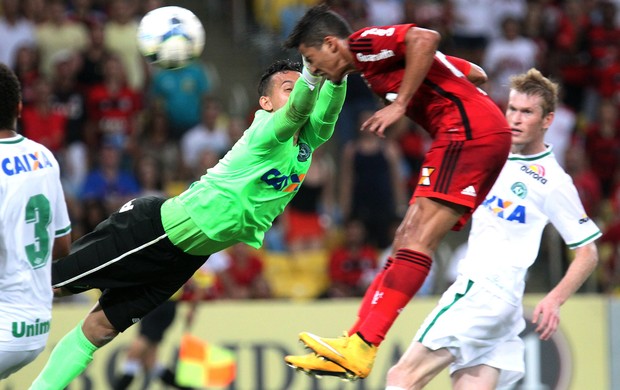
(21, 329)
(14, 165)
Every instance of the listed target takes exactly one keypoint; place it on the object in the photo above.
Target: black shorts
(154, 325)
(128, 257)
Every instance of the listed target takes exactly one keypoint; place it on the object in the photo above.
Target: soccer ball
(170, 37)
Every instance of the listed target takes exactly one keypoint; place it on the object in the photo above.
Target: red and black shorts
(463, 172)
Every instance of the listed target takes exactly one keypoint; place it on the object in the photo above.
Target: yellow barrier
(263, 332)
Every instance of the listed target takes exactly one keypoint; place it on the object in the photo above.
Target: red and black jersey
(447, 105)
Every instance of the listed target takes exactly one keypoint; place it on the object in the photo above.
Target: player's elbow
(589, 254)
(62, 246)
(424, 38)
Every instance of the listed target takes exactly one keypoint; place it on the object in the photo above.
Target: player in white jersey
(476, 325)
(34, 229)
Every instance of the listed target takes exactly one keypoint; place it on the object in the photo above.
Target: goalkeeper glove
(311, 79)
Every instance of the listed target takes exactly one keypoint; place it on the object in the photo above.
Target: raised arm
(325, 114)
(421, 45)
(290, 118)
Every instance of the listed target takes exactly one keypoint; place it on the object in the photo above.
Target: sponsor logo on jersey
(382, 55)
(469, 191)
(584, 218)
(519, 189)
(537, 172)
(22, 329)
(505, 209)
(14, 165)
(382, 32)
(282, 182)
(425, 176)
(304, 152)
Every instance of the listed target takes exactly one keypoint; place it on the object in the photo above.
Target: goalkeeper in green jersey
(146, 251)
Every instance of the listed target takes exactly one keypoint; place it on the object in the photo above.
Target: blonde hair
(533, 83)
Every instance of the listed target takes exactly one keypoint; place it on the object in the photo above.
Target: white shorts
(13, 361)
(478, 328)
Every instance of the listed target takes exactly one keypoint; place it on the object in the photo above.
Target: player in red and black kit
(471, 141)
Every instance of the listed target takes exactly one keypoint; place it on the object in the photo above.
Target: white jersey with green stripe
(33, 213)
(507, 227)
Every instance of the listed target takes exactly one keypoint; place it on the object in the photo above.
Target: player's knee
(404, 375)
(98, 330)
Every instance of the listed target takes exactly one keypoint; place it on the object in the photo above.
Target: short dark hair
(10, 96)
(318, 22)
(276, 67)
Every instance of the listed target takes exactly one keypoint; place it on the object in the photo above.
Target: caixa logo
(15, 165)
(281, 182)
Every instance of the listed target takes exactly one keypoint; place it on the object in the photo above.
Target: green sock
(69, 359)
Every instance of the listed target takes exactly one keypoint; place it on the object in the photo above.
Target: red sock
(368, 295)
(399, 284)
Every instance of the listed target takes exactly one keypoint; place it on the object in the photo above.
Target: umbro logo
(470, 191)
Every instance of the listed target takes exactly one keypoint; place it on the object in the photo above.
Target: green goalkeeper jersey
(239, 198)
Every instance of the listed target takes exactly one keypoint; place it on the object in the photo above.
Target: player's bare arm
(547, 313)
(477, 75)
(421, 45)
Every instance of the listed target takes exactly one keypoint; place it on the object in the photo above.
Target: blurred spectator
(603, 146)
(372, 188)
(359, 98)
(15, 30)
(58, 33)
(472, 25)
(34, 11)
(571, 52)
(384, 12)
(586, 182)
(149, 5)
(84, 11)
(68, 99)
(610, 258)
(113, 109)
(108, 182)
(120, 32)
(210, 133)
(41, 123)
(309, 214)
(561, 131)
(156, 143)
(353, 11)
(180, 93)
(27, 71)
(604, 49)
(507, 55)
(148, 172)
(93, 58)
(349, 262)
(243, 277)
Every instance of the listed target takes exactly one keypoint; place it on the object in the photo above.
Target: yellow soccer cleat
(350, 352)
(314, 365)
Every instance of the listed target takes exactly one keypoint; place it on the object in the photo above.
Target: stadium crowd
(122, 128)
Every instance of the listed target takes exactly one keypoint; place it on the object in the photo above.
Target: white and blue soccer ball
(170, 37)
